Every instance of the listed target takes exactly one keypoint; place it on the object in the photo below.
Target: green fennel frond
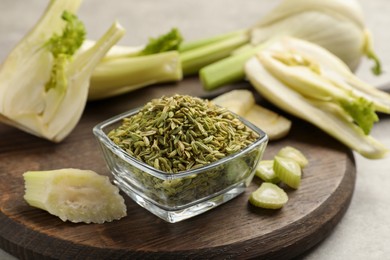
(362, 112)
(167, 42)
(71, 38)
(63, 47)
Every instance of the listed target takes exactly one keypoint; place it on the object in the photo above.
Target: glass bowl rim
(108, 143)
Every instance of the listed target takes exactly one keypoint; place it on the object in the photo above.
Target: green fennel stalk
(126, 69)
(197, 54)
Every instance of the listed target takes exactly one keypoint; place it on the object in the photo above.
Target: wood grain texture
(233, 230)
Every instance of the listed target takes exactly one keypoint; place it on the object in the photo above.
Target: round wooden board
(233, 230)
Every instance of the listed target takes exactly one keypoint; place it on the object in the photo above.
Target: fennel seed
(181, 132)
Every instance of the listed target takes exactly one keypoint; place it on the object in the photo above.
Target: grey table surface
(364, 231)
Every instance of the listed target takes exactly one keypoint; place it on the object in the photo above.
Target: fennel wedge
(45, 79)
(74, 195)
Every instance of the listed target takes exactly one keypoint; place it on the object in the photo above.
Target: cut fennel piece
(265, 171)
(288, 171)
(242, 102)
(268, 196)
(239, 101)
(74, 195)
(295, 154)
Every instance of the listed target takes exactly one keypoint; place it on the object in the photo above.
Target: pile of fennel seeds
(181, 132)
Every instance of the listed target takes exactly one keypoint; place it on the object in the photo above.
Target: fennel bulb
(336, 25)
(311, 83)
(44, 81)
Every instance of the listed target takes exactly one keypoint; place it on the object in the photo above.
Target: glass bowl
(178, 196)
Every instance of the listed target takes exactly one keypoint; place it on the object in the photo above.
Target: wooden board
(233, 230)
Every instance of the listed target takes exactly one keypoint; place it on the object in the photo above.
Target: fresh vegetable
(295, 154)
(195, 55)
(288, 171)
(126, 69)
(336, 25)
(74, 195)
(167, 42)
(269, 196)
(44, 81)
(273, 124)
(239, 101)
(265, 171)
(316, 73)
(227, 70)
(121, 75)
(307, 77)
(284, 167)
(116, 51)
(242, 102)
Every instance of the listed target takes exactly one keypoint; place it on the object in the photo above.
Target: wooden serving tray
(233, 230)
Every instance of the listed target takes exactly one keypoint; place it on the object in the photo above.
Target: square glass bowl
(178, 196)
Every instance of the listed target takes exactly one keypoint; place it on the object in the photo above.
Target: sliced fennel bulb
(43, 89)
(290, 101)
(243, 103)
(339, 73)
(326, 114)
(306, 77)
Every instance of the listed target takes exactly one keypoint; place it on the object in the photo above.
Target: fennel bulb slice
(327, 114)
(242, 102)
(295, 104)
(74, 195)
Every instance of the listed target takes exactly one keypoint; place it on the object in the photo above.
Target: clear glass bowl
(179, 196)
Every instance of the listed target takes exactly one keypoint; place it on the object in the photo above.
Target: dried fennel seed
(179, 133)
